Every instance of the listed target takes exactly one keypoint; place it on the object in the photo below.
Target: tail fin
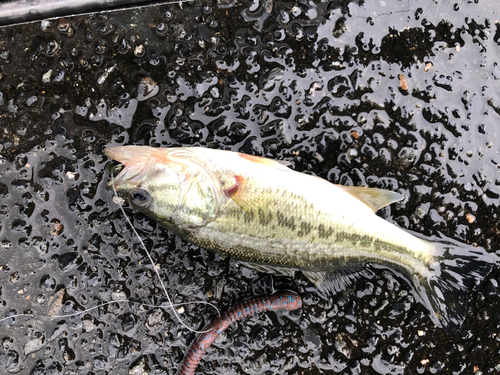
(457, 269)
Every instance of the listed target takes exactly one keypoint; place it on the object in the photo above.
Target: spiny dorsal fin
(374, 198)
(284, 163)
(280, 164)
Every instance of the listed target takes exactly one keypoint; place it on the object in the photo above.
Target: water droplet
(161, 28)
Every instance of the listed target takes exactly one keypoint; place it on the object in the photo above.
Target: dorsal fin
(373, 198)
(280, 164)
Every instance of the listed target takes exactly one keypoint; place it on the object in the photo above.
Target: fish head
(172, 186)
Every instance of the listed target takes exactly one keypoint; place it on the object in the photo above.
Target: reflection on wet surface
(400, 97)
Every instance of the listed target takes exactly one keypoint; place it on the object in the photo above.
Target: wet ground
(381, 94)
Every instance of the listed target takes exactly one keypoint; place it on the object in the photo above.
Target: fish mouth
(136, 164)
(123, 154)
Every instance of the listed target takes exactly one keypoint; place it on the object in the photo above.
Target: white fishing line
(138, 302)
(170, 304)
(109, 303)
(15, 316)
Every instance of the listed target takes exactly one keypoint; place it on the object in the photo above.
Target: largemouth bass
(258, 210)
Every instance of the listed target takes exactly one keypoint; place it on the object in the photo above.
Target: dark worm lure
(279, 301)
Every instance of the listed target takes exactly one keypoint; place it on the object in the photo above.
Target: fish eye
(140, 198)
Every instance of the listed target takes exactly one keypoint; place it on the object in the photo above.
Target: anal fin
(338, 280)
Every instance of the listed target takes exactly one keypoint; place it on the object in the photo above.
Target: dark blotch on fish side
(248, 216)
(264, 217)
(284, 221)
(280, 301)
(325, 232)
(305, 229)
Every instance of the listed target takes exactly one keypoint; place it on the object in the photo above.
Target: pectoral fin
(373, 198)
(238, 192)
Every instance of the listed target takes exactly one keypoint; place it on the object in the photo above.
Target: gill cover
(201, 195)
(173, 186)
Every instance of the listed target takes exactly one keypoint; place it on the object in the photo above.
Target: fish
(260, 211)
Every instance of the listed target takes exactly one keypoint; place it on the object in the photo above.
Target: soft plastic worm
(279, 301)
